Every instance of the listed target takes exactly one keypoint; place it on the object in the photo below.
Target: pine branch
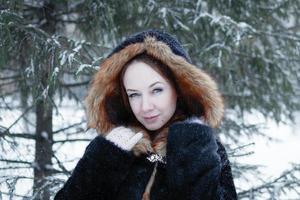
(10, 77)
(20, 117)
(287, 180)
(72, 140)
(68, 127)
(72, 94)
(16, 161)
(17, 135)
(84, 83)
(14, 168)
(6, 94)
(15, 195)
(293, 37)
(61, 166)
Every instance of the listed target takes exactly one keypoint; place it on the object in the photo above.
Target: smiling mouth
(151, 119)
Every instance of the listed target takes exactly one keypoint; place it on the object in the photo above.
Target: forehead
(140, 74)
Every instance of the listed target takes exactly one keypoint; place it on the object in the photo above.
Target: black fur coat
(196, 164)
(196, 168)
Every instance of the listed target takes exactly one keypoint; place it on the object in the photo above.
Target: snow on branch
(228, 25)
(287, 181)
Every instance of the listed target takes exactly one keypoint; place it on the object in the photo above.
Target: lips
(151, 118)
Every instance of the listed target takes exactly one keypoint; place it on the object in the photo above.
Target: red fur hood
(103, 96)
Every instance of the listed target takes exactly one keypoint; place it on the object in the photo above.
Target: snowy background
(49, 51)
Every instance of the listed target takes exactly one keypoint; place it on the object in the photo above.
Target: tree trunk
(44, 111)
(43, 149)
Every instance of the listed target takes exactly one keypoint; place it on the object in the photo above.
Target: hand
(124, 137)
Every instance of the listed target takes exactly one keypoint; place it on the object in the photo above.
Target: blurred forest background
(49, 50)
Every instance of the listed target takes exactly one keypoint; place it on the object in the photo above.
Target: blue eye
(157, 90)
(133, 95)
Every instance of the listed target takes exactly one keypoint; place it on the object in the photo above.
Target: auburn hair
(181, 109)
(107, 105)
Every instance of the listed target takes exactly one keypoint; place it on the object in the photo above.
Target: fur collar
(103, 96)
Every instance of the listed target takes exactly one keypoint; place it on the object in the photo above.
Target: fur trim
(103, 88)
(194, 83)
(195, 120)
(158, 145)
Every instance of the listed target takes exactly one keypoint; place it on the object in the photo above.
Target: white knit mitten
(124, 137)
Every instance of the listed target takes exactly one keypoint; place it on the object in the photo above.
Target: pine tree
(50, 49)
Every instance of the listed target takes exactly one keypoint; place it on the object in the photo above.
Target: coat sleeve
(194, 165)
(98, 173)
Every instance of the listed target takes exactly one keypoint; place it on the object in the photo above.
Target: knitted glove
(124, 137)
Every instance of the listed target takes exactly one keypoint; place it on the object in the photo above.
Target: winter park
(192, 99)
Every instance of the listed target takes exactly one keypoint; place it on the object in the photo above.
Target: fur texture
(197, 168)
(194, 83)
(196, 164)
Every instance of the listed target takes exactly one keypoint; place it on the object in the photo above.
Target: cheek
(172, 105)
(134, 105)
(169, 100)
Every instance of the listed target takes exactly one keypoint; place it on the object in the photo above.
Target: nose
(147, 104)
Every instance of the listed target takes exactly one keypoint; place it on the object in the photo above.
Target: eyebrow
(149, 86)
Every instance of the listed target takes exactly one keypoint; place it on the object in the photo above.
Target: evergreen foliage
(50, 49)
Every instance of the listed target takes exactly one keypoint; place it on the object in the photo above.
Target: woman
(154, 112)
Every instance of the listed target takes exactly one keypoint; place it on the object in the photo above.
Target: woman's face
(152, 98)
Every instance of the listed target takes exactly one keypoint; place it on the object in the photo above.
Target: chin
(153, 127)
